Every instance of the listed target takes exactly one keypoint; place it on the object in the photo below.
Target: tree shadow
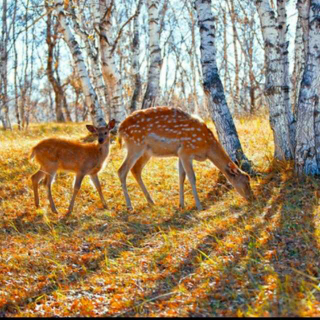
(209, 245)
(295, 257)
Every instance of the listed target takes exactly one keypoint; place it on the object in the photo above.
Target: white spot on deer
(162, 139)
(199, 139)
(199, 129)
(194, 134)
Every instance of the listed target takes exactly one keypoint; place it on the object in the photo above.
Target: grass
(231, 259)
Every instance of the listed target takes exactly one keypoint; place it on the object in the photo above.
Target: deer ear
(91, 128)
(111, 124)
(232, 169)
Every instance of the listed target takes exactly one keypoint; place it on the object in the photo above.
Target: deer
(83, 159)
(171, 132)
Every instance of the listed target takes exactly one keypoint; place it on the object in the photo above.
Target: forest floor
(234, 258)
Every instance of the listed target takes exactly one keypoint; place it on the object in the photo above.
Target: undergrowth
(232, 259)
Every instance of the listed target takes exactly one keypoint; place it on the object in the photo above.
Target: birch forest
(246, 70)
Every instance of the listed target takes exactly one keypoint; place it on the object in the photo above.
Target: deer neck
(103, 150)
(219, 157)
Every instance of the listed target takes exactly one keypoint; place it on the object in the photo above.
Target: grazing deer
(57, 154)
(166, 132)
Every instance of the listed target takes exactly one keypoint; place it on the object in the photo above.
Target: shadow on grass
(295, 257)
(137, 231)
(208, 245)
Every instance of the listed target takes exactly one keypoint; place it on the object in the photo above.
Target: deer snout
(100, 140)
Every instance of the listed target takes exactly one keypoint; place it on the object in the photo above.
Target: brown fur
(55, 154)
(166, 131)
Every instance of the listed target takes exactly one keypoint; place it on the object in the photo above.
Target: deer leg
(136, 172)
(36, 178)
(127, 164)
(76, 188)
(96, 182)
(49, 178)
(187, 165)
(182, 177)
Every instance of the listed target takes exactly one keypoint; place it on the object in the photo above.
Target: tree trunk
(275, 86)
(97, 114)
(51, 42)
(135, 60)
(284, 44)
(92, 52)
(236, 57)
(4, 68)
(152, 90)
(300, 50)
(213, 88)
(307, 155)
(109, 70)
(15, 65)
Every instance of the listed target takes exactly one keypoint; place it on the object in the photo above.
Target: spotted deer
(166, 132)
(81, 158)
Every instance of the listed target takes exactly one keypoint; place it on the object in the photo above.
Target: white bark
(109, 69)
(284, 44)
(307, 155)
(152, 91)
(213, 88)
(275, 83)
(96, 111)
(135, 59)
(4, 69)
(301, 48)
(93, 55)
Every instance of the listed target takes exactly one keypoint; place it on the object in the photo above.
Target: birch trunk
(15, 65)
(213, 88)
(135, 60)
(152, 90)
(110, 72)
(50, 73)
(96, 112)
(236, 57)
(274, 84)
(284, 44)
(4, 68)
(301, 49)
(93, 56)
(307, 155)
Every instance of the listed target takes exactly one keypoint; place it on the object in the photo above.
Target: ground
(234, 258)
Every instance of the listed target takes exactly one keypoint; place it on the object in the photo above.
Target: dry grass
(231, 259)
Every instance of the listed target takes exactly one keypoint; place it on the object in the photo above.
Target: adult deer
(81, 158)
(166, 132)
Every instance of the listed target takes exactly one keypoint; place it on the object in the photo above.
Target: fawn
(81, 158)
(166, 132)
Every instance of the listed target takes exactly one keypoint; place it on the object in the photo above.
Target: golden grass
(231, 259)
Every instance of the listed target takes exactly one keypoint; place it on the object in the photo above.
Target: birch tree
(58, 91)
(152, 90)
(4, 69)
(135, 59)
(96, 111)
(307, 153)
(300, 50)
(213, 87)
(111, 75)
(275, 86)
(284, 44)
